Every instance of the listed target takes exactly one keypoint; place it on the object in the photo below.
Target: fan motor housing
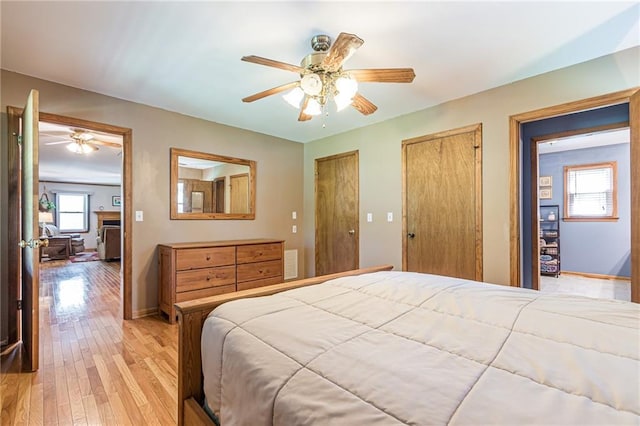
(313, 60)
(321, 43)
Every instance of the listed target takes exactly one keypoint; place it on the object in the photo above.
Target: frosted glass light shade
(346, 87)
(81, 148)
(342, 101)
(311, 84)
(313, 108)
(294, 97)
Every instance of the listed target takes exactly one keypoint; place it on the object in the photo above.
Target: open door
(28, 138)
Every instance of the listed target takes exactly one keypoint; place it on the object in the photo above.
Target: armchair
(109, 242)
(61, 246)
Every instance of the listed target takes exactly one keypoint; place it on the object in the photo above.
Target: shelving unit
(550, 240)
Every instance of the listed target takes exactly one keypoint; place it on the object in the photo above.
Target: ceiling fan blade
(383, 75)
(303, 116)
(363, 105)
(271, 63)
(270, 92)
(104, 143)
(341, 50)
(59, 142)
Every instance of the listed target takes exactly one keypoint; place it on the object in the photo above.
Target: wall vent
(290, 264)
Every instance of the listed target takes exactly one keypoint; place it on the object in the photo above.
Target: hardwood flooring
(95, 368)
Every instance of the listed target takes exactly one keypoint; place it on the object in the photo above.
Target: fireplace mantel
(106, 215)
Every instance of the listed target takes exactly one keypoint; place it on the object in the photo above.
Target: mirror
(209, 186)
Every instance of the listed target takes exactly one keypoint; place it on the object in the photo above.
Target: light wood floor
(95, 368)
(584, 286)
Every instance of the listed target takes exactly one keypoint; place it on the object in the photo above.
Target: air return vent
(290, 264)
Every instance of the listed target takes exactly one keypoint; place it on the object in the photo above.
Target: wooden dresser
(193, 270)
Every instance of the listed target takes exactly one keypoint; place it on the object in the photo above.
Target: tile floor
(590, 287)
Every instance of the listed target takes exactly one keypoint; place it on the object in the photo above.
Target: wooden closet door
(442, 204)
(337, 210)
(239, 193)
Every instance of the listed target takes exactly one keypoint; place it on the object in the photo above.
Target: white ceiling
(587, 140)
(185, 56)
(58, 164)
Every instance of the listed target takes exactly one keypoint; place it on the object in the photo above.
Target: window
(591, 192)
(72, 213)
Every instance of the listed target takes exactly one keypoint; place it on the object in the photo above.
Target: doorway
(337, 213)
(126, 197)
(585, 173)
(218, 187)
(519, 170)
(239, 193)
(442, 203)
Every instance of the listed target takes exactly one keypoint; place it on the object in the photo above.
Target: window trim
(86, 212)
(613, 165)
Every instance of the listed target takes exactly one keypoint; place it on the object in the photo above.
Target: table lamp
(43, 218)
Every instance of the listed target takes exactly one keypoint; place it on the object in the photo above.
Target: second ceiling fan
(322, 77)
(83, 142)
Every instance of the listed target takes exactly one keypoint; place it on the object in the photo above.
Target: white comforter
(405, 348)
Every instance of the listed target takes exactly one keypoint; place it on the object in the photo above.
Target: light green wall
(380, 155)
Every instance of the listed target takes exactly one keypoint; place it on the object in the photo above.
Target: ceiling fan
(83, 142)
(322, 77)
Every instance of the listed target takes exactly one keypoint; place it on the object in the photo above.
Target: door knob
(352, 231)
(411, 235)
(34, 243)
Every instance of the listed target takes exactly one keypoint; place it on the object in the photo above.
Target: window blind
(590, 192)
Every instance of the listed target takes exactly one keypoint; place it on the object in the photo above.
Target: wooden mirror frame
(177, 152)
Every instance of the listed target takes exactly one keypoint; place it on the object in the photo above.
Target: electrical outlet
(294, 229)
(294, 215)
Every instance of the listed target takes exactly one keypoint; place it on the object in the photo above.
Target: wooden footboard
(191, 316)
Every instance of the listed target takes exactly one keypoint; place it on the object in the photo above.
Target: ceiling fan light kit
(82, 142)
(322, 78)
(80, 147)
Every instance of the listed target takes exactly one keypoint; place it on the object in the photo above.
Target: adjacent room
(301, 213)
(586, 202)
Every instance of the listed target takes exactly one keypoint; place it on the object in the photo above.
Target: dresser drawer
(192, 270)
(258, 283)
(259, 270)
(205, 257)
(259, 252)
(205, 292)
(205, 278)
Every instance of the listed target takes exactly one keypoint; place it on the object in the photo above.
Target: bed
(380, 347)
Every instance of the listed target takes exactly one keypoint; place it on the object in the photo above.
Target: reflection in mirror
(208, 186)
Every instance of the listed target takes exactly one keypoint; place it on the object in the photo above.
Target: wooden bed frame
(191, 316)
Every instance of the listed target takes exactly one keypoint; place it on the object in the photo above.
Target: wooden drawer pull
(208, 257)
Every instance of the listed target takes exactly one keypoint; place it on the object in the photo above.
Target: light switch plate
(294, 215)
(294, 229)
(389, 216)
(369, 217)
(139, 216)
